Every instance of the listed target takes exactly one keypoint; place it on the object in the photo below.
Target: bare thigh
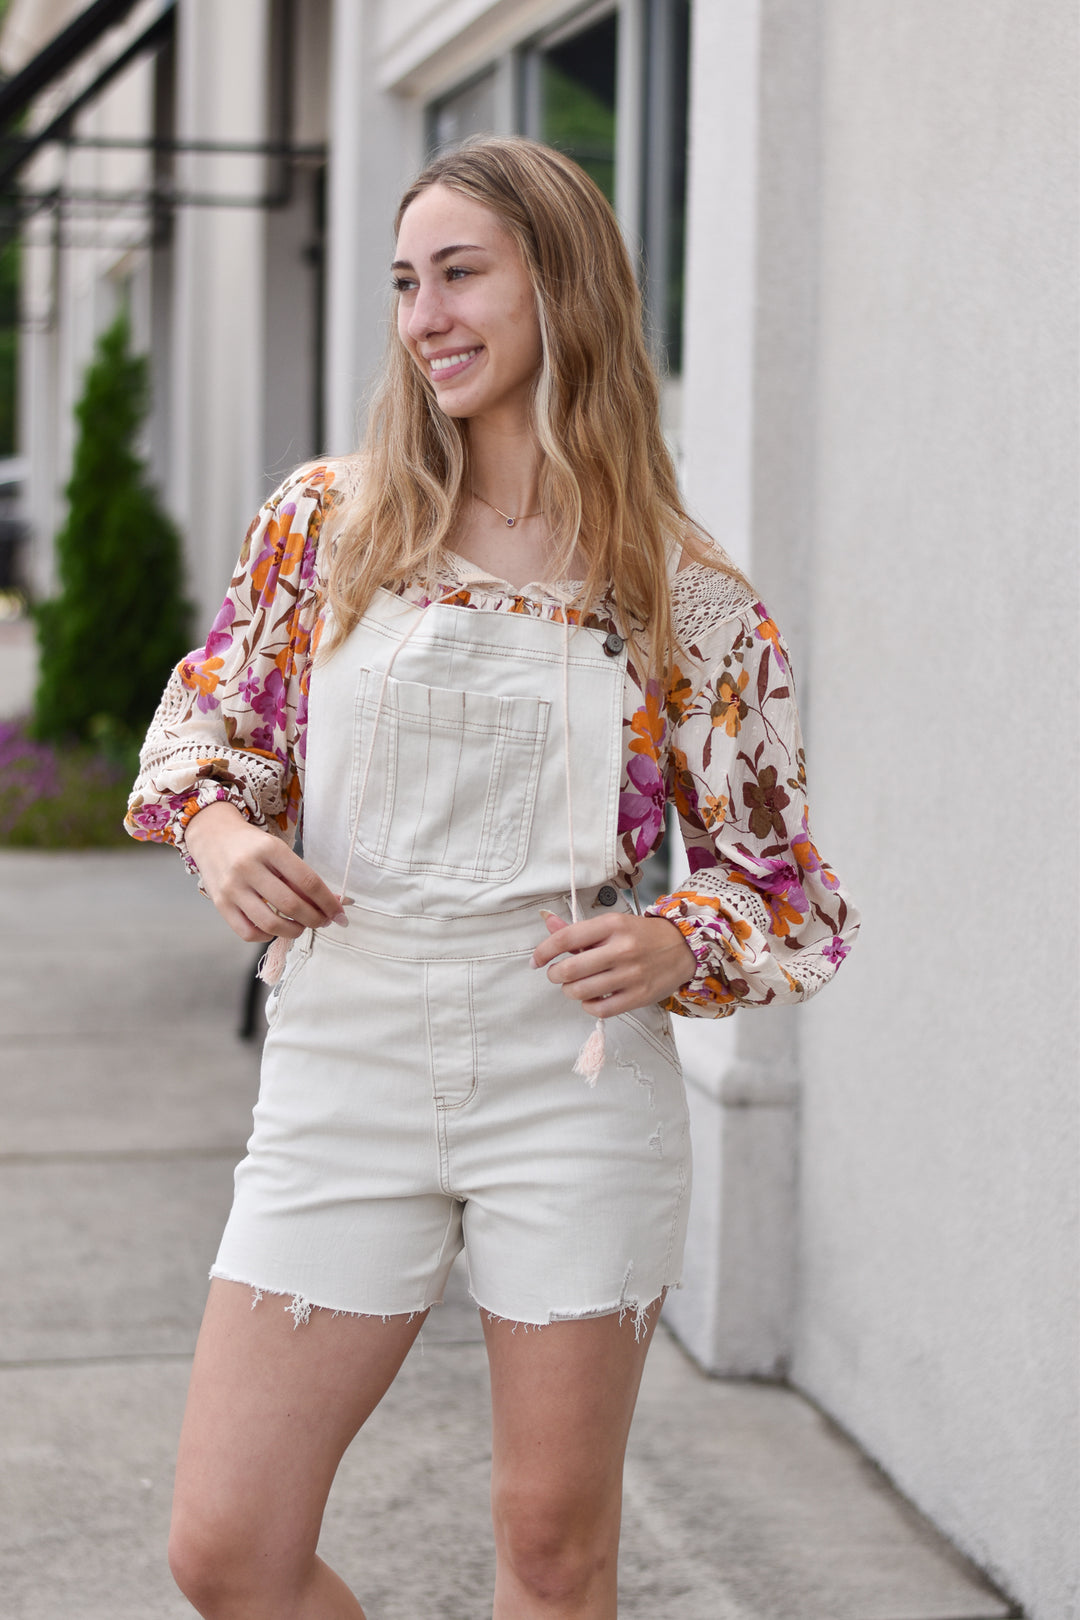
(562, 1403)
(271, 1409)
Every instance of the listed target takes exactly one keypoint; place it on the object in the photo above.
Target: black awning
(15, 150)
(57, 56)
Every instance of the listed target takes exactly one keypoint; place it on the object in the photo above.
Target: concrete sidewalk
(124, 1103)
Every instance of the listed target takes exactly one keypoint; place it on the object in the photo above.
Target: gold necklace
(510, 521)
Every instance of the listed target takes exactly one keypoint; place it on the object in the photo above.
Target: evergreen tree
(120, 623)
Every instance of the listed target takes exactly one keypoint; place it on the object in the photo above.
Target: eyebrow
(443, 253)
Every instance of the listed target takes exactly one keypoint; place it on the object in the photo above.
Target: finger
(240, 923)
(596, 986)
(571, 937)
(289, 905)
(306, 883)
(273, 922)
(552, 922)
(611, 1006)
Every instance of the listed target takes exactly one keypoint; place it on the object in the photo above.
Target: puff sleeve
(231, 723)
(767, 919)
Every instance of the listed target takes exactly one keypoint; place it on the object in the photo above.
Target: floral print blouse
(766, 918)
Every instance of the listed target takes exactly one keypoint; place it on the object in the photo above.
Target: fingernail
(341, 920)
(347, 900)
(547, 914)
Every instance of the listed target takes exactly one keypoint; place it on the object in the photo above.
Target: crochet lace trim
(703, 597)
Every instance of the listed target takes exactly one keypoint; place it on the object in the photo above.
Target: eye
(454, 271)
(402, 284)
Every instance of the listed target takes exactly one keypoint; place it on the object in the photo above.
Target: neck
(504, 465)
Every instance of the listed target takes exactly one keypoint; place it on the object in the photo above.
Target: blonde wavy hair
(607, 484)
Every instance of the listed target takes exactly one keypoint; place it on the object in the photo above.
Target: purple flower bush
(55, 797)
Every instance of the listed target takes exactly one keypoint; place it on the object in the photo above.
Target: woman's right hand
(258, 884)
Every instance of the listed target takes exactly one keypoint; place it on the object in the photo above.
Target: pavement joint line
(37, 1363)
(120, 1155)
(126, 1359)
(117, 1034)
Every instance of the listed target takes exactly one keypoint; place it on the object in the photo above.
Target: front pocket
(451, 786)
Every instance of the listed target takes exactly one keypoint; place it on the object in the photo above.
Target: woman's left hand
(615, 963)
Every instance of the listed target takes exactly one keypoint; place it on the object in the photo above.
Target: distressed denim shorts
(418, 1097)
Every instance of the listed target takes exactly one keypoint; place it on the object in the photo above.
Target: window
(467, 111)
(609, 88)
(664, 189)
(569, 97)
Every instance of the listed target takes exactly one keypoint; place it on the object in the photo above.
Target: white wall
(219, 360)
(938, 1219)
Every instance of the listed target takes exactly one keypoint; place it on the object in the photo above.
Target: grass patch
(57, 797)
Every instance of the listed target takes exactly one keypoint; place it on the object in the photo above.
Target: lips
(449, 365)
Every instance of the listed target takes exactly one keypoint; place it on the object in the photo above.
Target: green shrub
(120, 622)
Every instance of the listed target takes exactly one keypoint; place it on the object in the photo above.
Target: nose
(427, 314)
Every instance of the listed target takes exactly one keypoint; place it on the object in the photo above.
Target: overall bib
(417, 1090)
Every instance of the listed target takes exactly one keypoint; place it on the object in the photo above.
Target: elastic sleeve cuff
(158, 823)
(708, 991)
(209, 792)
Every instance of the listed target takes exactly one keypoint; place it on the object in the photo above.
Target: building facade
(857, 225)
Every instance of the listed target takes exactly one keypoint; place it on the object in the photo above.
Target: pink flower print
(220, 636)
(263, 737)
(777, 876)
(152, 817)
(700, 857)
(807, 856)
(249, 689)
(642, 812)
(270, 702)
(835, 950)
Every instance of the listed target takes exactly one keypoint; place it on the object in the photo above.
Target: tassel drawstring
(272, 965)
(590, 1060)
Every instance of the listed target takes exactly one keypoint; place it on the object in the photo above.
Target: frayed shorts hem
(300, 1307)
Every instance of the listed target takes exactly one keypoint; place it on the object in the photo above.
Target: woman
(469, 1045)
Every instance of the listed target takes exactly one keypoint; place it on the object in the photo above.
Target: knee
(213, 1568)
(557, 1550)
(198, 1561)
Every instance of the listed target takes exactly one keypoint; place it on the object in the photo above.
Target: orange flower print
(679, 694)
(740, 931)
(714, 810)
(783, 915)
(683, 791)
(767, 631)
(648, 724)
(202, 678)
(728, 708)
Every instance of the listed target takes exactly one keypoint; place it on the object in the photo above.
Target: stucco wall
(937, 1315)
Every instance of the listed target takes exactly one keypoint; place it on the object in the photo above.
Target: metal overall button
(607, 895)
(613, 646)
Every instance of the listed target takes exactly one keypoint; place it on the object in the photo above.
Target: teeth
(452, 360)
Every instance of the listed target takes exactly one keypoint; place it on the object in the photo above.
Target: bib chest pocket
(451, 788)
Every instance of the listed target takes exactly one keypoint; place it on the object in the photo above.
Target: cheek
(527, 332)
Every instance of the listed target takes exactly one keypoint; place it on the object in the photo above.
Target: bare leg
(562, 1400)
(271, 1409)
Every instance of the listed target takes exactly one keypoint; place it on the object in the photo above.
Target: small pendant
(510, 522)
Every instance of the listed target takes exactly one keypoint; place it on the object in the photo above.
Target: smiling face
(466, 307)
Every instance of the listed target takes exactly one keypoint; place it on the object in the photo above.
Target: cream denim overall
(418, 1090)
